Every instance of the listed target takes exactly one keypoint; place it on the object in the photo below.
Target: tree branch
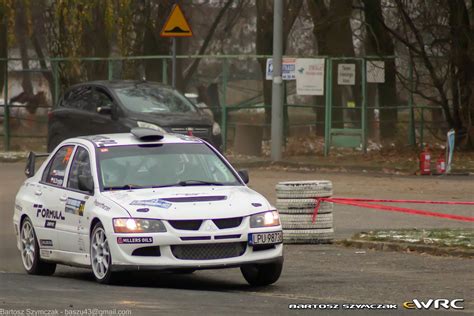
(194, 65)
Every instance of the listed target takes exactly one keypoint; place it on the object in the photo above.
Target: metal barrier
(250, 101)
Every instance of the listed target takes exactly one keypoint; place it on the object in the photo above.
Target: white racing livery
(144, 200)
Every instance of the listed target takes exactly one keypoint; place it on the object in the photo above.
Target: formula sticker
(46, 243)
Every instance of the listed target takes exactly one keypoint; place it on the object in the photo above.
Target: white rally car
(144, 200)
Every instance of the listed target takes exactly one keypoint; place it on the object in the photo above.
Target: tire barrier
(296, 203)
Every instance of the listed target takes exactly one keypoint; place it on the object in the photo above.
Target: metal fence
(234, 88)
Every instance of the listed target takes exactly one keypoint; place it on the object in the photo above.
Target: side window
(56, 170)
(78, 98)
(80, 166)
(66, 99)
(100, 99)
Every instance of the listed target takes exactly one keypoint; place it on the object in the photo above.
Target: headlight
(150, 126)
(138, 225)
(266, 219)
(216, 129)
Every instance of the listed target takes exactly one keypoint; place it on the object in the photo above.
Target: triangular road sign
(176, 25)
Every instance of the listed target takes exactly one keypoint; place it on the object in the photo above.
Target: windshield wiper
(198, 182)
(188, 183)
(125, 187)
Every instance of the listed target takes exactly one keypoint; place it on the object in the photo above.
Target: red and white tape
(368, 203)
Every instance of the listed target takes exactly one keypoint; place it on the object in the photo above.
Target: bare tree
(379, 42)
(333, 34)
(439, 42)
(21, 32)
(264, 39)
(3, 42)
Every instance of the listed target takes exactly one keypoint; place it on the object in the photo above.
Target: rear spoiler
(30, 163)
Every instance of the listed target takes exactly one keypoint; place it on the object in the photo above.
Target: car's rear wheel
(30, 251)
(101, 259)
(262, 274)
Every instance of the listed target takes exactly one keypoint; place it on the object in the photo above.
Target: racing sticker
(46, 243)
(50, 224)
(75, 206)
(47, 213)
(101, 205)
(45, 253)
(57, 177)
(102, 141)
(134, 240)
(152, 202)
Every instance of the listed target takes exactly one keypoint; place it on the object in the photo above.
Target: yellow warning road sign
(176, 25)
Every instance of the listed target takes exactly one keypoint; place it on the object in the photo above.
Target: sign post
(175, 26)
(277, 96)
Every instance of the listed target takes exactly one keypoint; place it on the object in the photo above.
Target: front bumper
(124, 258)
(201, 267)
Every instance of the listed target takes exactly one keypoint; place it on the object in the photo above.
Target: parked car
(144, 200)
(117, 106)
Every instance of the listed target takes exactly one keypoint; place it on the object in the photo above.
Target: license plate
(266, 238)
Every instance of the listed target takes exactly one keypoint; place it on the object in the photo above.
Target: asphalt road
(313, 274)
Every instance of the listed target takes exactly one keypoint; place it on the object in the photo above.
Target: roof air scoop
(147, 134)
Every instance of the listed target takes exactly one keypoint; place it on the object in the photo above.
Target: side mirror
(30, 165)
(86, 184)
(106, 109)
(244, 175)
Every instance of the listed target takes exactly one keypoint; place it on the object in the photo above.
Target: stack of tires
(296, 201)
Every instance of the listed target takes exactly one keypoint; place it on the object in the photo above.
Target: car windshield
(148, 166)
(147, 98)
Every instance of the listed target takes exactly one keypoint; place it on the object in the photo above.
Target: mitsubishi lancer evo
(144, 200)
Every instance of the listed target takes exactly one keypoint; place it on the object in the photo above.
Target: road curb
(339, 167)
(293, 164)
(13, 156)
(406, 247)
(21, 156)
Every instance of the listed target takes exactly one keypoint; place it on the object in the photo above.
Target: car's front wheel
(101, 259)
(262, 274)
(30, 251)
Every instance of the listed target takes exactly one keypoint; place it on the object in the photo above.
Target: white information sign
(375, 71)
(346, 74)
(287, 69)
(310, 76)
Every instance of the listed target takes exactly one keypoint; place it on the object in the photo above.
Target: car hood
(193, 202)
(174, 119)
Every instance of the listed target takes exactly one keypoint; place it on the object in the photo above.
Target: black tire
(101, 276)
(262, 274)
(30, 249)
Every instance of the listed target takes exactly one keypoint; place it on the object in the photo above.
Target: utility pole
(277, 96)
(173, 69)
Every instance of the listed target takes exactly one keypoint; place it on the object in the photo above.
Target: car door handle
(38, 192)
(63, 198)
